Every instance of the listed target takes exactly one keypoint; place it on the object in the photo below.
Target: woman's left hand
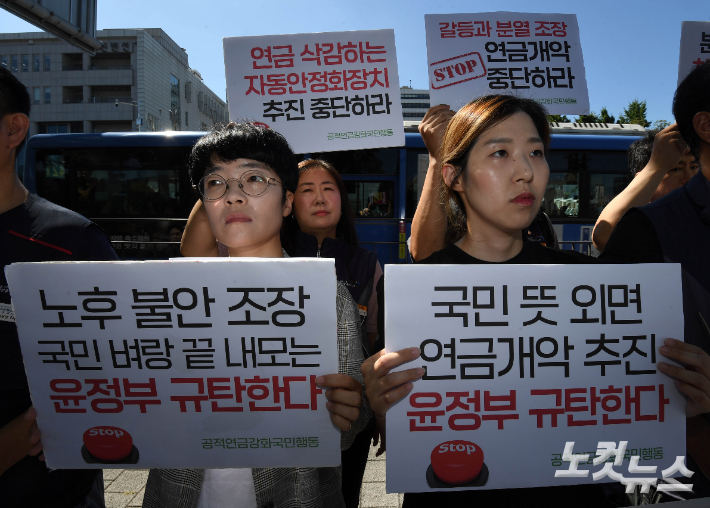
(693, 379)
(344, 396)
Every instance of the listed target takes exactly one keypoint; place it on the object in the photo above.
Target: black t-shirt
(634, 240)
(39, 230)
(532, 253)
(562, 496)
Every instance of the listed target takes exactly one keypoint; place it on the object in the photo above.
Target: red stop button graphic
(457, 462)
(108, 444)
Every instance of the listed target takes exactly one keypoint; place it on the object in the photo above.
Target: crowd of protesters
(483, 192)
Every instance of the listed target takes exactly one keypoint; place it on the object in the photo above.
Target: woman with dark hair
(493, 178)
(321, 225)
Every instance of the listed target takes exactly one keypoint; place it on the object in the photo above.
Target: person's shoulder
(54, 215)
(541, 254)
(67, 231)
(449, 255)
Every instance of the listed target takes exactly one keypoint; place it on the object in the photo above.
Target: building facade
(415, 103)
(139, 81)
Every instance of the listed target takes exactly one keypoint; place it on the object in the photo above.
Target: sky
(630, 47)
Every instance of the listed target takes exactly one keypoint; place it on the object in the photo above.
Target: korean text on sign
(227, 351)
(531, 55)
(327, 82)
(520, 359)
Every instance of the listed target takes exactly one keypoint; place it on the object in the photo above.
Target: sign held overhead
(537, 56)
(323, 91)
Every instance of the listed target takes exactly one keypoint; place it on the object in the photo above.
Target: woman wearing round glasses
(321, 224)
(246, 176)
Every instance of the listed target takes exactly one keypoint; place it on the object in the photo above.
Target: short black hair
(14, 97)
(244, 140)
(692, 97)
(640, 152)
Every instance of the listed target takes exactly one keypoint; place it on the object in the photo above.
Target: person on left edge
(33, 229)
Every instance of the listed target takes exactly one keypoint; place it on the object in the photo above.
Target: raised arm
(197, 239)
(668, 149)
(429, 223)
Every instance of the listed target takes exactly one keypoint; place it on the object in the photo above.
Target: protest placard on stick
(533, 55)
(694, 46)
(323, 91)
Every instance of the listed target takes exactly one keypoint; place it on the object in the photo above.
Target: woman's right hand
(433, 126)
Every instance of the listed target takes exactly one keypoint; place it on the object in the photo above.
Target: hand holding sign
(385, 388)
(344, 399)
(693, 379)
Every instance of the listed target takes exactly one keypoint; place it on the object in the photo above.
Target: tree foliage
(659, 125)
(558, 118)
(592, 117)
(635, 113)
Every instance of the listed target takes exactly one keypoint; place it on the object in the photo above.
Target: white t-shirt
(227, 488)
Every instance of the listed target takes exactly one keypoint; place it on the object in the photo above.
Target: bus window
(120, 188)
(562, 195)
(377, 161)
(417, 165)
(604, 187)
(51, 177)
(371, 199)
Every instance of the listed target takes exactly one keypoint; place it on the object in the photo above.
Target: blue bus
(136, 187)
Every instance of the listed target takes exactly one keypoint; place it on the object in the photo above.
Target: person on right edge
(676, 229)
(660, 163)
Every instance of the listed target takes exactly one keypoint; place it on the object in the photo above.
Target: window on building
(13, 59)
(3, 62)
(35, 63)
(25, 63)
(47, 63)
(175, 102)
(201, 102)
(47, 95)
(187, 121)
(188, 92)
(37, 95)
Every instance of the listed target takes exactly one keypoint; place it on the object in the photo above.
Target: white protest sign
(537, 56)
(189, 364)
(694, 46)
(323, 91)
(520, 360)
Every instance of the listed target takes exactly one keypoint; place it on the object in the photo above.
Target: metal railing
(72, 67)
(110, 67)
(73, 100)
(105, 100)
(587, 247)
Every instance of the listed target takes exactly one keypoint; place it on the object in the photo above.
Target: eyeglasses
(253, 183)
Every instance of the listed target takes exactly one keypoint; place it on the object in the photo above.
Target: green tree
(659, 125)
(558, 118)
(635, 113)
(592, 117)
(605, 117)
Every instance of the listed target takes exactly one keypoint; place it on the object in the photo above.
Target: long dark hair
(462, 133)
(346, 224)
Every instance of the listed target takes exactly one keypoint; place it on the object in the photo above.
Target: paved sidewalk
(125, 487)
